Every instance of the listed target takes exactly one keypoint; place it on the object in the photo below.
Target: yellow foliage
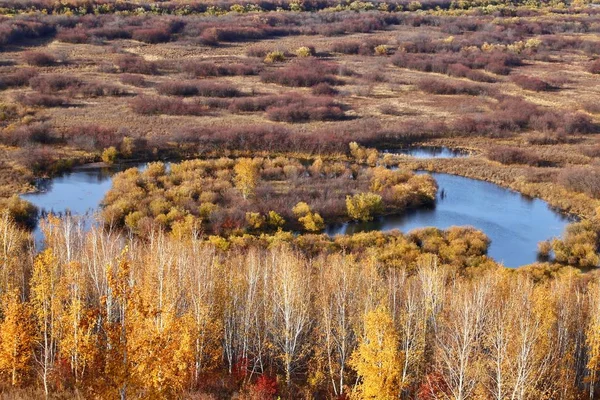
(17, 336)
(377, 359)
(246, 176)
(363, 206)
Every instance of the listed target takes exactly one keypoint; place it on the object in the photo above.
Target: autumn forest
(300, 199)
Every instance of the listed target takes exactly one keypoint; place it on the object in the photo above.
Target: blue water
(78, 192)
(429, 152)
(514, 223)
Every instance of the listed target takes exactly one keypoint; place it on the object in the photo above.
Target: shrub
(578, 247)
(254, 51)
(305, 109)
(324, 89)
(133, 80)
(92, 137)
(302, 74)
(75, 35)
(136, 65)
(109, 155)
(151, 35)
(178, 88)
(39, 59)
(41, 100)
(53, 83)
(214, 89)
(275, 56)
(594, 67)
(111, 33)
(382, 50)
(363, 206)
(438, 86)
(305, 51)
(531, 83)
(34, 133)
(20, 77)
(164, 105)
(581, 179)
(513, 155)
(206, 69)
(346, 47)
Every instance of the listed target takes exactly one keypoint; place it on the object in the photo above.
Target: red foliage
(433, 387)
(266, 387)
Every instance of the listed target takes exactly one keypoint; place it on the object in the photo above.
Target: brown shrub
(514, 155)
(136, 65)
(133, 80)
(53, 83)
(532, 83)
(302, 74)
(594, 67)
(438, 86)
(324, 89)
(206, 69)
(92, 137)
(306, 109)
(39, 59)
(27, 134)
(41, 100)
(75, 35)
(346, 46)
(581, 179)
(215, 89)
(20, 77)
(165, 105)
(172, 88)
(152, 35)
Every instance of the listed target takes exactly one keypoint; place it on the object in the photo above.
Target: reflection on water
(77, 193)
(514, 223)
(429, 152)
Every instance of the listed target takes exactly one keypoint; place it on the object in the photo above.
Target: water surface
(429, 152)
(514, 223)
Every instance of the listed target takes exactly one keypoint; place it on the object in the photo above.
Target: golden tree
(246, 176)
(45, 299)
(17, 336)
(377, 359)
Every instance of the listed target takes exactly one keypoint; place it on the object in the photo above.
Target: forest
(234, 135)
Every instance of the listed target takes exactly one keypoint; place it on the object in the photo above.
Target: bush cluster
(303, 74)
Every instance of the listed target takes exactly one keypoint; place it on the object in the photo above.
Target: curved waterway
(514, 223)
